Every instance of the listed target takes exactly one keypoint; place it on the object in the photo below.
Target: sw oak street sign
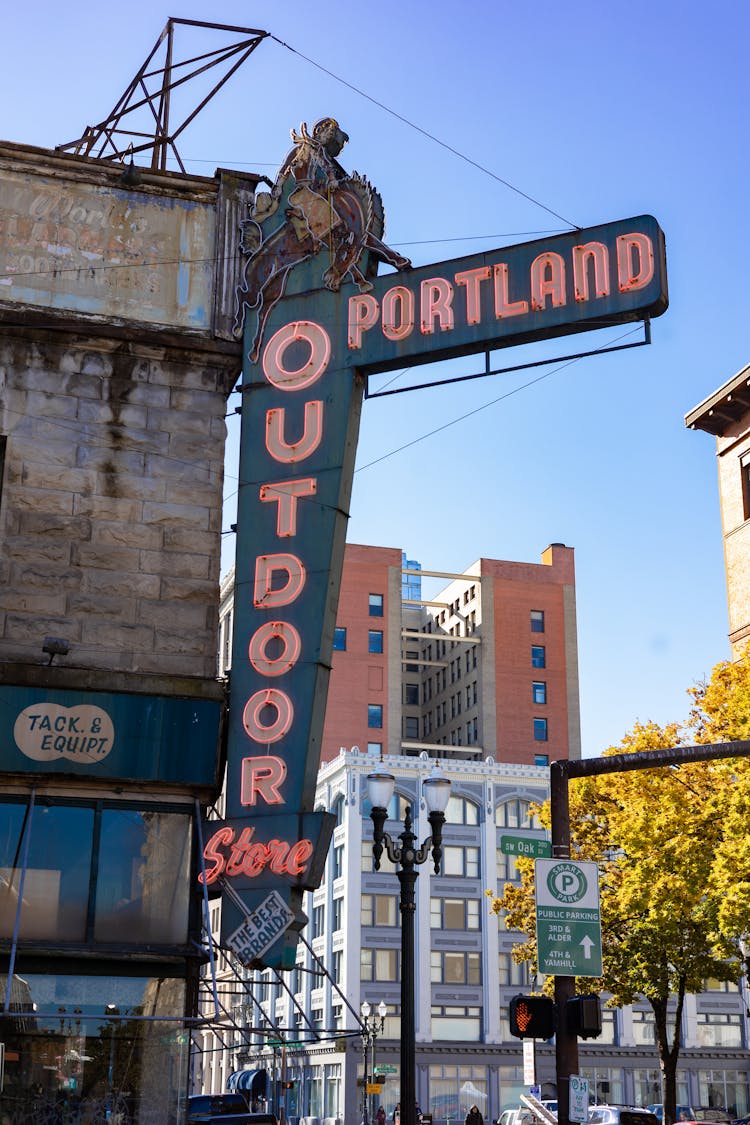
(525, 845)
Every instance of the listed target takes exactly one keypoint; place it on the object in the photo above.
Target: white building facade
(302, 1029)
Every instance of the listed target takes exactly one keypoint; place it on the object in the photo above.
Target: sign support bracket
(514, 367)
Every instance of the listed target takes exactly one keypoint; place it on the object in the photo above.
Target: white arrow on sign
(587, 944)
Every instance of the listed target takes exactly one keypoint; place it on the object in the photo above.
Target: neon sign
(572, 282)
(310, 341)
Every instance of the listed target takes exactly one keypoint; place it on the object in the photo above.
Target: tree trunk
(669, 1051)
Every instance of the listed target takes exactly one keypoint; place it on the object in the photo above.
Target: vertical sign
(529, 1062)
(300, 420)
(578, 1098)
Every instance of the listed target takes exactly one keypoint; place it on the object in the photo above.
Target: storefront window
(58, 870)
(316, 1092)
(76, 1049)
(143, 885)
(605, 1085)
(138, 878)
(455, 1089)
(727, 1088)
(333, 1103)
(647, 1086)
(511, 1086)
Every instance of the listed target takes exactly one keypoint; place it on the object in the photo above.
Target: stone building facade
(116, 359)
(726, 415)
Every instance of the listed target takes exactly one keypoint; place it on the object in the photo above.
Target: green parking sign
(568, 919)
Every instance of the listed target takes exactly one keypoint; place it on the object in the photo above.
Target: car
(525, 1114)
(712, 1113)
(224, 1109)
(683, 1112)
(621, 1115)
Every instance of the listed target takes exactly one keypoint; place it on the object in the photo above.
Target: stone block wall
(110, 511)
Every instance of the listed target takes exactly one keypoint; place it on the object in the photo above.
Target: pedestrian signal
(584, 1015)
(532, 1017)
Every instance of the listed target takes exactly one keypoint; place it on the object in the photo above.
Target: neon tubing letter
(297, 378)
(290, 452)
(597, 253)
(628, 276)
(436, 299)
(291, 647)
(265, 596)
(363, 314)
(547, 280)
(471, 279)
(299, 854)
(504, 307)
(398, 313)
(278, 701)
(212, 854)
(237, 854)
(285, 494)
(261, 777)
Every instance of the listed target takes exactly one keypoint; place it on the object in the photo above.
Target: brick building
(488, 667)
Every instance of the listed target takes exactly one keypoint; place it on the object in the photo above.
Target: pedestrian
(380, 1116)
(474, 1117)
(396, 1115)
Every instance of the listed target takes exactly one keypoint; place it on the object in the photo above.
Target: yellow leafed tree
(673, 849)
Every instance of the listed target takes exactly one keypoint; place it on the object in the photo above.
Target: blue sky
(598, 112)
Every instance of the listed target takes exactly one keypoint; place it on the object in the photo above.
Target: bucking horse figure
(314, 205)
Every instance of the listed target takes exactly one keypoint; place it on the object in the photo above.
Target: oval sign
(46, 731)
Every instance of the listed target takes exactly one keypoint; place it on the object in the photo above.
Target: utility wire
(461, 417)
(425, 133)
(486, 405)
(157, 263)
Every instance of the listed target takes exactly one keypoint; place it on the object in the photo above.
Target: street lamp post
(407, 856)
(372, 1026)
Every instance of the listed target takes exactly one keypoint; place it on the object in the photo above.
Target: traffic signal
(290, 1084)
(532, 1017)
(584, 1015)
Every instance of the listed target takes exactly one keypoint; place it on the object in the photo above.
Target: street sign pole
(566, 1043)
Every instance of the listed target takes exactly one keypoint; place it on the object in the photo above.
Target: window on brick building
(539, 691)
(375, 640)
(374, 714)
(537, 620)
(540, 730)
(339, 639)
(538, 656)
(376, 605)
